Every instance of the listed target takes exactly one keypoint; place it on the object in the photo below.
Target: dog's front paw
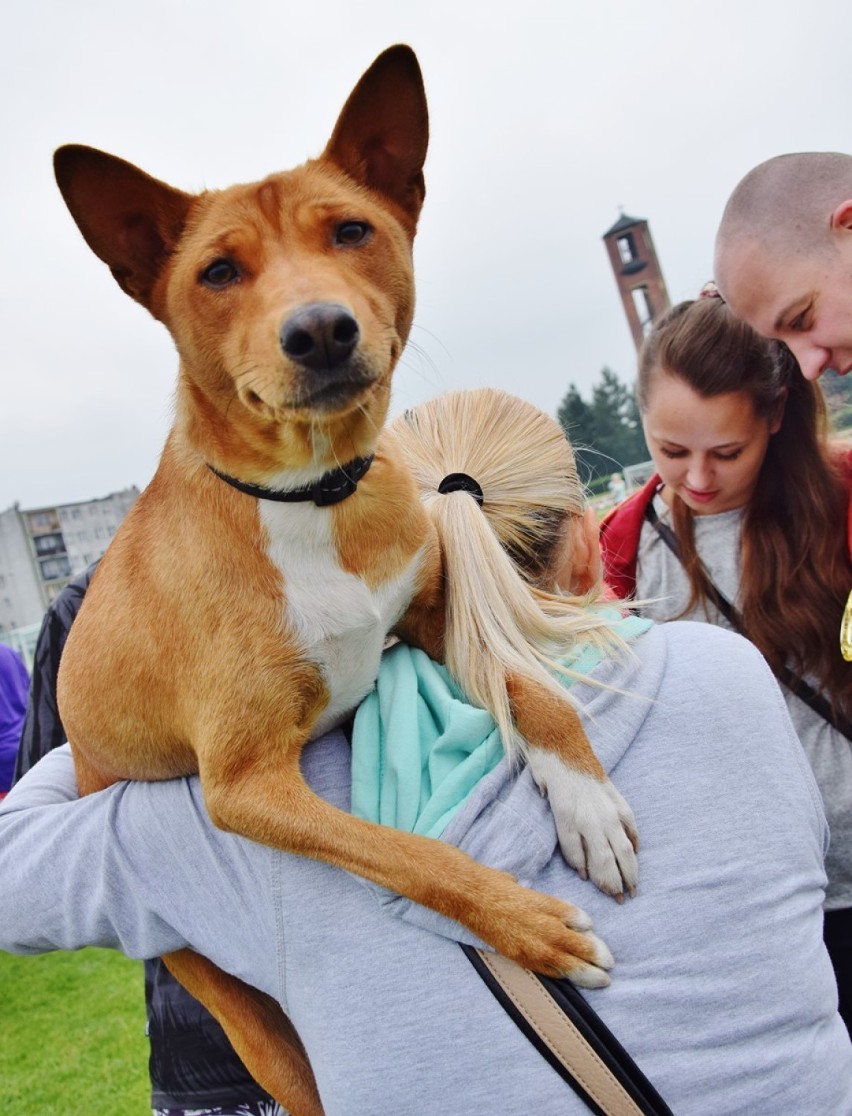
(542, 933)
(596, 828)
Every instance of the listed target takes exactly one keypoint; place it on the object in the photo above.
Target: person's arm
(55, 859)
(141, 868)
(138, 867)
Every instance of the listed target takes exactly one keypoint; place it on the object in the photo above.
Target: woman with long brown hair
(744, 526)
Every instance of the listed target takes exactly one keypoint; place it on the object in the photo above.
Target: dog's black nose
(320, 336)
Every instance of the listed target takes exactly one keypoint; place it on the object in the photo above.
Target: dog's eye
(221, 273)
(352, 232)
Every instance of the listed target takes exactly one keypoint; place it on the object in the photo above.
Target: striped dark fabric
(42, 729)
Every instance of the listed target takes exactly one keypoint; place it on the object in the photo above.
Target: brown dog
(242, 607)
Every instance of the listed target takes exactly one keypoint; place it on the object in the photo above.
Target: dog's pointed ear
(381, 136)
(130, 220)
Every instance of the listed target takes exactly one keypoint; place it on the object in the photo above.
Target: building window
(52, 568)
(643, 308)
(39, 522)
(49, 544)
(626, 248)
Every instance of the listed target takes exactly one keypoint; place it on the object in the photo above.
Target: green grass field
(72, 1035)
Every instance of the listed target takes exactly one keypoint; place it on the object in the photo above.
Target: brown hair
(796, 570)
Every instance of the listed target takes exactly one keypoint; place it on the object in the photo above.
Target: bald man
(784, 256)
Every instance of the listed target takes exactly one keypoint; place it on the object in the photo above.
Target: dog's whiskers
(370, 419)
(424, 367)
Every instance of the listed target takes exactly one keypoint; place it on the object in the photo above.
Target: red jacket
(620, 530)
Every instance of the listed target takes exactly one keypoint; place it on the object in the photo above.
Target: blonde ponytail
(505, 615)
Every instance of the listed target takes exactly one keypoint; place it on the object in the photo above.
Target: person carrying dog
(722, 991)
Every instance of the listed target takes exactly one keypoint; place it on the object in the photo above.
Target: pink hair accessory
(710, 290)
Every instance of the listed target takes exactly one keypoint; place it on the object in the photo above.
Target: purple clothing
(14, 688)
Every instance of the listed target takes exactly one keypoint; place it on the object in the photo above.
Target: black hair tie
(461, 482)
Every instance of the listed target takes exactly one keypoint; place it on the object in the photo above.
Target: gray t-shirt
(659, 575)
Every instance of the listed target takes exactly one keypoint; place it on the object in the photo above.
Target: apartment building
(41, 549)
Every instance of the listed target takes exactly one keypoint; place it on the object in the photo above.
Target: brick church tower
(637, 272)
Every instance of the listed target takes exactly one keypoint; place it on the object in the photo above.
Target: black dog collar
(331, 488)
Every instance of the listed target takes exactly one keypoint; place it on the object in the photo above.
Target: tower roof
(623, 223)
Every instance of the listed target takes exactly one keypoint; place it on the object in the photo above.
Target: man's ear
(841, 218)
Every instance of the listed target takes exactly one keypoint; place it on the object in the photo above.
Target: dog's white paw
(596, 827)
(595, 975)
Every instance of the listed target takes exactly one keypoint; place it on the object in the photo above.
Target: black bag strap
(799, 686)
(571, 1036)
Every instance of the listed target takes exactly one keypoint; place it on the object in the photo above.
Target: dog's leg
(278, 808)
(596, 827)
(260, 1032)
(89, 777)
(275, 806)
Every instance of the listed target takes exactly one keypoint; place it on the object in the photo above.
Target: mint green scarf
(419, 749)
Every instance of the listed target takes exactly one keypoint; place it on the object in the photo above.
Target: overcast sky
(546, 118)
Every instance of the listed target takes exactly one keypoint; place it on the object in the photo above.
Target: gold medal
(846, 632)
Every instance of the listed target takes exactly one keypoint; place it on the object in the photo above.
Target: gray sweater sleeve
(95, 880)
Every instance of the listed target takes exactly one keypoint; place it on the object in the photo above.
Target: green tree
(577, 420)
(607, 432)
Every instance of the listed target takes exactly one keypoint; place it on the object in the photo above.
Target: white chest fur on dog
(339, 621)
